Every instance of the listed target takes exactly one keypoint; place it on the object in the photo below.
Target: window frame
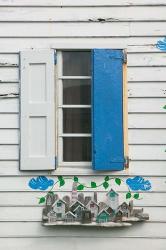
(59, 113)
(89, 45)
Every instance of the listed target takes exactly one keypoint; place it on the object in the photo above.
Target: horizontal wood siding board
(34, 229)
(144, 89)
(81, 243)
(146, 168)
(63, 3)
(136, 44)
(111, 29)
(87, 14)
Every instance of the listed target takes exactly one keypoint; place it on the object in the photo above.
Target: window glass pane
(76, 63)
(77, 120)
(76, 92)
(77, 149)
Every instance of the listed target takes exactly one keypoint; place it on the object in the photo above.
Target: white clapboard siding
(9, 120)
(147, 136)
(8, 74)
(136, 25)
(37, 147)
(147, 59)
(143, 89)
(11, 60)
(146, 168)
(148, 74)
(133, 44)
(81, 243)
(9, 136)
(34, 229)
(147, 105)
(97, 3)
(9, 88)
(57, 14)
(63, 29)
(122, 29)
(157, 120)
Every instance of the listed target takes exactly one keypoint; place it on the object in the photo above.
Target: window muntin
(74, 108)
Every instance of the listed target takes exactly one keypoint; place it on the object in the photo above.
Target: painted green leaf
(136, 196)
(61, 183)
(50, 192)
(75, 179)
(80, 187)
(105, 184)
(106, 178)
(118, 181)
(60, 178)
(164, 107)
(93, 184)
(42, 200)
(128, 195)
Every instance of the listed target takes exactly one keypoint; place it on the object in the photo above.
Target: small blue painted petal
(138, 183)
(41, 183)
(51, 182)
(161, 44)
(33, 184)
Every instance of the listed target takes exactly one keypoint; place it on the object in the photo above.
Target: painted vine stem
(105, 184)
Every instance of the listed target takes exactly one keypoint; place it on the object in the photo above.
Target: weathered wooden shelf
(93, 224)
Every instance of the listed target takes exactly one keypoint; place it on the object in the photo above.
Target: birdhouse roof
(69, 212)
(103, 210)
(112, 191)
(91, 201)
(58, 201)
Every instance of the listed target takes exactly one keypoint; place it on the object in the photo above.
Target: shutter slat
(107, 109)
(37, 109)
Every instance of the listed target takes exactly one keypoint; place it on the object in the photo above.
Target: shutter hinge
(55, 57)
(124, 56)
(127, 160)
(55, 161)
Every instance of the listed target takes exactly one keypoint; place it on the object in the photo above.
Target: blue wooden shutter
(107, 109)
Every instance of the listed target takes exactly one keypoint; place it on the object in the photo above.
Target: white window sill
(85, 171)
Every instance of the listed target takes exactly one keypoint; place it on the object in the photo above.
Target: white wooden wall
(49, 24)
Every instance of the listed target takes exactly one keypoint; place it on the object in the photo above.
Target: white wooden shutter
(37, 109)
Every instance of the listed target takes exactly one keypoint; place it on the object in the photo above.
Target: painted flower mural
(41, 183)
(133, 184)
(138, 183)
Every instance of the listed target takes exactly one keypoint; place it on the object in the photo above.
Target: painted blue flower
(161, 44)
(138, 183)
(41, 183)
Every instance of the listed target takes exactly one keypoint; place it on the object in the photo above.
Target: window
(77, 118)
(59, 204)
(74, 107)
